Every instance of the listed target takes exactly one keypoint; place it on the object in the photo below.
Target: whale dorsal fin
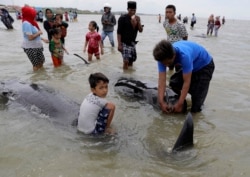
(185, 138)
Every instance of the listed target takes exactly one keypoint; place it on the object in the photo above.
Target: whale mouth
(4, 98)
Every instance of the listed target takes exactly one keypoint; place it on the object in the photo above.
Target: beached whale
(63, 111)
(137, 89)
(42, 99)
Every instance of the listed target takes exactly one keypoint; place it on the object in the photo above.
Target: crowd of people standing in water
(192, 63)
(214, 24)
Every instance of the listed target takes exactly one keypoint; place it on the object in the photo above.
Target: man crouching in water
(197, 68)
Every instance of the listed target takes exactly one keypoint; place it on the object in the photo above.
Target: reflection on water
(32, 146)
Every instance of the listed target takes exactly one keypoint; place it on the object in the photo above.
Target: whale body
(59, 108)
(137, 89)
(64, 111)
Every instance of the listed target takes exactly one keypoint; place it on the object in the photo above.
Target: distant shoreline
(13, 8)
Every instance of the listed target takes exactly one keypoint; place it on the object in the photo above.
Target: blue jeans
(110, 36)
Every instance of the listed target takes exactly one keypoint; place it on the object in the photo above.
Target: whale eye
(5, 93)
(34, 86)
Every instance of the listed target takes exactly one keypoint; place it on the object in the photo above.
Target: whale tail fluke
(185, 138)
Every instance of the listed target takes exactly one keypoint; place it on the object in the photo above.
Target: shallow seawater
(33, 146)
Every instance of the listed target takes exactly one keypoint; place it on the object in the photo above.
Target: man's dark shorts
(129, 52)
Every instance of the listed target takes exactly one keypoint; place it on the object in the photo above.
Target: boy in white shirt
(96, 113)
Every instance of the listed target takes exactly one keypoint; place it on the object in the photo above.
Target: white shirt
(89, 110)
(193, 19)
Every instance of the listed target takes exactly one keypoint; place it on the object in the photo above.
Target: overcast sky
(231, 9)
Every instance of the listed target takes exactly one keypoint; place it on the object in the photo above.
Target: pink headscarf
(29, 15)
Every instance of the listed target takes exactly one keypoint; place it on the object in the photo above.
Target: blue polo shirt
(189, 55)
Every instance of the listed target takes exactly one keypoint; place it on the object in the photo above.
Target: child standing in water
(216, 25)
(59, 23)
(56, 47)
(96, 113)
(93, 41)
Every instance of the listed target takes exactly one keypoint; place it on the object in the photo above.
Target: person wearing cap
(108, 23)
(197, 69)
(128, 26)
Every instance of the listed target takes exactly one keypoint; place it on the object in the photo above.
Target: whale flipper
(185, 138)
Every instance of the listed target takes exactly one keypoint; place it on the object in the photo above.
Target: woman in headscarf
(32, 41)
(49, 22)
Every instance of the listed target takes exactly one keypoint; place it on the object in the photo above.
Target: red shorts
(92, 50)
(56, 61)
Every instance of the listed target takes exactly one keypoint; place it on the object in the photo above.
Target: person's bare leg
(111, 108)
(89, 57)
(130, 64)
(35, 68)
(125, 64)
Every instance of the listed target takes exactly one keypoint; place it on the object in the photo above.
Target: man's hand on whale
(167, 108)
(178, 107)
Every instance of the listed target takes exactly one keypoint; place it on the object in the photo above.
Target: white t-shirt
(193, 19)
(89, 110)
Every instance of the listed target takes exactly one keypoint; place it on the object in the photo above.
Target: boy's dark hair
(97, 77)
(95, 25)
(171, 7)
(54, 31)
(60, 15)
(163, 50)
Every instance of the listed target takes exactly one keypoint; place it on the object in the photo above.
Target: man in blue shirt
(197, 68)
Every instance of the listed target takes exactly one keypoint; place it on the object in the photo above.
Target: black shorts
(35, 56)
(199, 85)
